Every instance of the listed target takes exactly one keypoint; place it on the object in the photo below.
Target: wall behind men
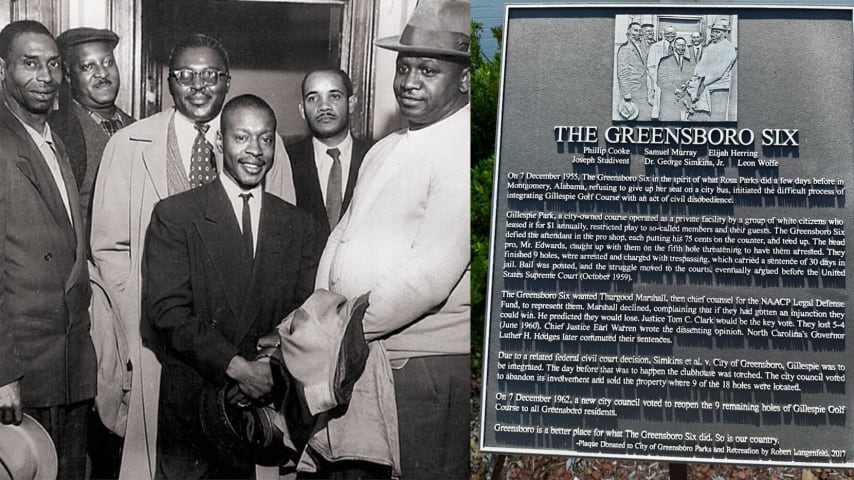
(391, 16)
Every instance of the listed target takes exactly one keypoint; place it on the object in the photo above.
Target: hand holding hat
(323, 347)
(27, 452)
(10, 403)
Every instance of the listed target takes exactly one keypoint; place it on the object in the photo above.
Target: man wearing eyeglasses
(155, 158)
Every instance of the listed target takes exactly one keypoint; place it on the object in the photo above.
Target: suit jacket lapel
(311, 172)
(154, 157)
(355, 162)
(33, 166)
(272, 243)
(220, 234)
(80, 239)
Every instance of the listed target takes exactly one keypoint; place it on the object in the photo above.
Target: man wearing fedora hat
(714, 74)
(88, 119)
(405, 238)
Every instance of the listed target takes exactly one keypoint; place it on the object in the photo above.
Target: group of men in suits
(667, 72)
(199, 233)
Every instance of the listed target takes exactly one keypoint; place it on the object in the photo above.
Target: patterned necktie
(247, 225)
(111, 126)
(202, 165)
(333, 189)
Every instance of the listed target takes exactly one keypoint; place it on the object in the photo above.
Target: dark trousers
(68, 428)
(347, 470)
(105, 449)
(433, 410)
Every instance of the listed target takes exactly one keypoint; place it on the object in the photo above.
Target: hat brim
(48, 464)
(39, 445)
(393, 43)
(628, 110)
(75, 37)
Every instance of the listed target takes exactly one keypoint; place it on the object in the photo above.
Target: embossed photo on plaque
(675, 68)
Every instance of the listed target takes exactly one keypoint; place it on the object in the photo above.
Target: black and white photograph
(676, 68)
(234, 239)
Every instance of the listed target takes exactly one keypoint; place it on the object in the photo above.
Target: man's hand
(10, 404)
(254, 378)
(650, 96)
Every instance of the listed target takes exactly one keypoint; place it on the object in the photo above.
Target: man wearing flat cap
(86, 119)
(88, 116)
(405, 239)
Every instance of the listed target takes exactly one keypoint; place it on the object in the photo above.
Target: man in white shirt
(329, 159)
(695, 51)
(713, 74)
(405, 239)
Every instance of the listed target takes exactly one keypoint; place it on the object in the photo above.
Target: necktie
(202, 166)
(247, 225)
(111, 126)
(333, 189)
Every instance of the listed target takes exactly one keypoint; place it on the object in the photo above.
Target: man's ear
(301, 111)
(66, 72)
(2, 69)
(351, 103)
(465, 80)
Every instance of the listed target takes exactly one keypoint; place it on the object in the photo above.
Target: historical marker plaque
(670, 235)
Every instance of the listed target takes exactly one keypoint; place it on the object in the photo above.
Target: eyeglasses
(187, 77)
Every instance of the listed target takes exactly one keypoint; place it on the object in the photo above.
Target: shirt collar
(182, 120)
(232, 189)
(343, 146)
(38, 138)
(95, 116)
(449, 122)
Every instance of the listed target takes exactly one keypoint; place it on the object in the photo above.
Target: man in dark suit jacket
(327, 97)
(47, 361)
(220, 270)
(695, 50)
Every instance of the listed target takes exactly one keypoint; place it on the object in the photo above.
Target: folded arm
(437, 259)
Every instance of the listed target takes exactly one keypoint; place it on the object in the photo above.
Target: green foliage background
(485, 80)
